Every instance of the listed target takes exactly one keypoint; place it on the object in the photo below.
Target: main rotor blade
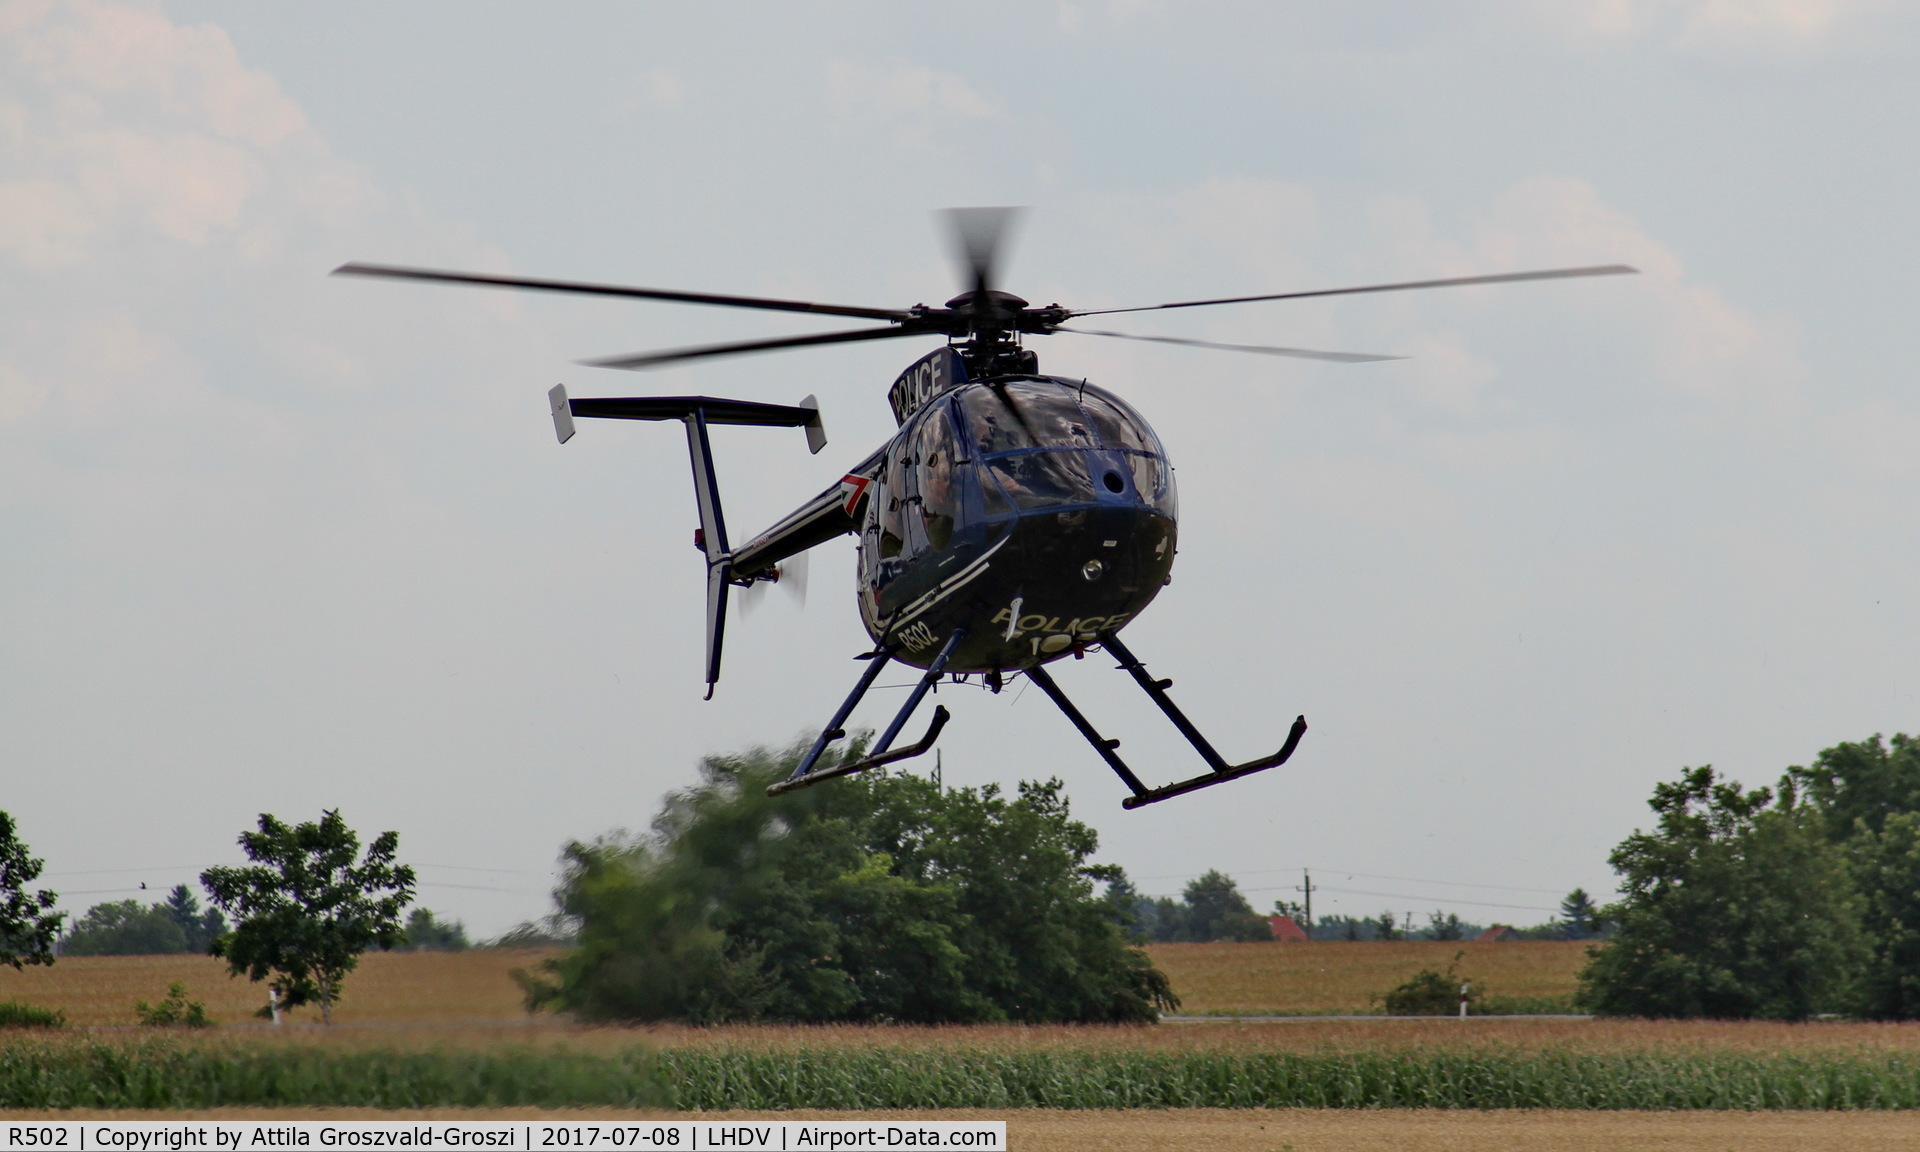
(397, 273)
(1501, 278)
(645, 360)
(1264, 349)
(977, 234)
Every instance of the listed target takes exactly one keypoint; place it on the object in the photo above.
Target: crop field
(446, 1030)
(1332, 978)
(389, 987)
(464, 987)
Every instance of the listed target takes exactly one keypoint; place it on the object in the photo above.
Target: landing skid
(806, 774)
(883, 752)
(1157, 691)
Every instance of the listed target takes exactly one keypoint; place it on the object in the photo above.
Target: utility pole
(1306, 887)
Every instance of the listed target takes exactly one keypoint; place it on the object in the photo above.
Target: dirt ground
(1290, 1130)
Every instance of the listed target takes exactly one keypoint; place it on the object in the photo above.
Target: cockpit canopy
(1048, 442)
(983, 453)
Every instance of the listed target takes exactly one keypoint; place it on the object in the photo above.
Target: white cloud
(911, 102)
(115, 120)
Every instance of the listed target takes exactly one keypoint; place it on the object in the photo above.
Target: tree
(1446, 927)
(1886, 865)
(1212, 908)
(28, 924)
(199, 928)
(426, 934)
(1737, 906)
(304, 911)
(1862, 783)
(1160, 919)
(549, 931)
(124, 928)
(880, 897)
(1122, 898)
(1383, 928)
(1217, 911)
(1579, 916)
(1869, 794)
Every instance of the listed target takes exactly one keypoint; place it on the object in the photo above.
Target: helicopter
(1012, 520)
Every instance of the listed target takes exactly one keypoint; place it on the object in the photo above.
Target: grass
(1342, 978)
(14, 1014)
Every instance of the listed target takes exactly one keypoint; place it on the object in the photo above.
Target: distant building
(1498, 934)
(1286, 931)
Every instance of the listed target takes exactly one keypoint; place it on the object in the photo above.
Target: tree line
(297, 917)
(890, 898)
(1212, 908)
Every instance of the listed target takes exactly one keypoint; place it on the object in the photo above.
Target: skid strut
(1157, 690)
(806, 774)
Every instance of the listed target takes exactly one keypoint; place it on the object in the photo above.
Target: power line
(176, 868)
(1446, 883)
(1405, 896)
(1369, 876)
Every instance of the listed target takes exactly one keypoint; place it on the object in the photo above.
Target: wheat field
(1325, 978)
(388, 987)
(469, 999)
(424, 987)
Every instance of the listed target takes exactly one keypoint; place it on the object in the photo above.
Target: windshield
(1025, 414)
(1034, 435)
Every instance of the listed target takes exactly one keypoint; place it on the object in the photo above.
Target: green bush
(1430, 993)
(176, 1011)
(14, 1014)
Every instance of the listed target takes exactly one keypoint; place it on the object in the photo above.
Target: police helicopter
(1014, 519)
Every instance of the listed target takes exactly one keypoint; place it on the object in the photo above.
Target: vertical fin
(562, 412)
(816, 431)
(713, 535)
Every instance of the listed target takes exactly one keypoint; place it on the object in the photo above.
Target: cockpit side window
(891, 497)
(934, 447)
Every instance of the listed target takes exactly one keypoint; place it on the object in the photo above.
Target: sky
(275, 542)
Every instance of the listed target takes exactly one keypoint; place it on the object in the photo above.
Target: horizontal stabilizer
(717, 411)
